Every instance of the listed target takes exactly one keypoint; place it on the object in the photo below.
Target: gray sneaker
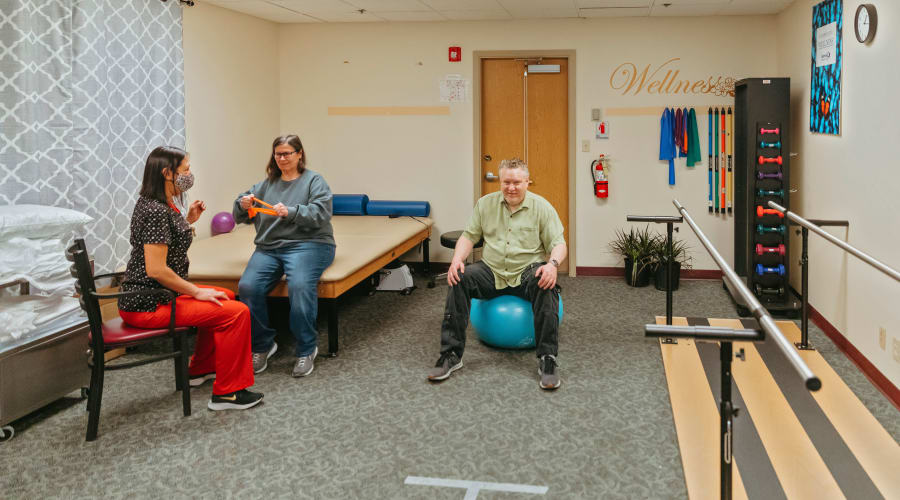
(547, 371)
(448, 363)
(261, 359)
(305, 364)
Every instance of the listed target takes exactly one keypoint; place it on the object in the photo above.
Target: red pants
(223, 337)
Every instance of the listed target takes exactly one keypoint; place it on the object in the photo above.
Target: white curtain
(87, 89)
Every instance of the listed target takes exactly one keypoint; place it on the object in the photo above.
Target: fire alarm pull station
(455, 54)
(602, 130)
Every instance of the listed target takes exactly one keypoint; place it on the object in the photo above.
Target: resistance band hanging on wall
(678, 137)
(709, 147)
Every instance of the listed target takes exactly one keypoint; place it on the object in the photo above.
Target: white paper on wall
(826, 49)
(454, 88)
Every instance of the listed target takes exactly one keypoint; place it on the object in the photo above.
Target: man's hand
(246, 201)
(211, 295)
(547, 275)
(454, 274)
(194, 211)
(280, 210)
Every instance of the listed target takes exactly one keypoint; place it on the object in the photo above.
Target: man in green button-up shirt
(519, 230)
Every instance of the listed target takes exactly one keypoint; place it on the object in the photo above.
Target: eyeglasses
(284, 156)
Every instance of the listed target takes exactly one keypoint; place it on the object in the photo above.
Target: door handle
(487, 157)
(490, 176)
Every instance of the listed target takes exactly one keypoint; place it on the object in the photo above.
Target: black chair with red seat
(115, 334)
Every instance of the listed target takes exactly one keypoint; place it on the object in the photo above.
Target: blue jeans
(302, 265)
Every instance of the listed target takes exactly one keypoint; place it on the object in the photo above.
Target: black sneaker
(448, 363)
(547, 371)
(239, 400)
(198, 380)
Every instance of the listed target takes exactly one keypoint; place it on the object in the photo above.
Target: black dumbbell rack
(762, 173)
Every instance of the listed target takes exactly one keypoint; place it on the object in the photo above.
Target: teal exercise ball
(505, 321)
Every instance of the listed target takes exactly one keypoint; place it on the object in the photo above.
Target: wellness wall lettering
(666, 79)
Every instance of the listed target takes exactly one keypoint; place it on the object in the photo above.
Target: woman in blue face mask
(160, 238)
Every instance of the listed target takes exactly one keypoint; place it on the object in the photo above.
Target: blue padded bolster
(349, 204)
(390, 207)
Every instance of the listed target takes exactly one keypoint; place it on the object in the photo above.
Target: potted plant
(636, 247)
(679, 256)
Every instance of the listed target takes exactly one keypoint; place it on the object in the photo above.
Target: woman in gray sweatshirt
(297, 242)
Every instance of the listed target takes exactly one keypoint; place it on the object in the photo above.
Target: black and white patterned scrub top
(154, 222)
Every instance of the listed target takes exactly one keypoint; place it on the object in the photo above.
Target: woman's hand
(280, 210)
(246, 201)
(195, 210)
(210, 295)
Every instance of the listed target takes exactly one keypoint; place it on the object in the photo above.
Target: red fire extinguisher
(601, 183)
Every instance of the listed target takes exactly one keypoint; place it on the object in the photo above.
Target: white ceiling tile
(615, 12)
(442, 5)
(346, 17)
(264, 10)
(315, 5)
(685, 10)
(612, 3)
(476, 15)
(679, 3)
(298, 11)
(757, 7)
(410, 16)
(389, 5)
(543, 13)
(537, 5)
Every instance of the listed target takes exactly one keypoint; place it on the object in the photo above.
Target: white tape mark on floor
(473, 487)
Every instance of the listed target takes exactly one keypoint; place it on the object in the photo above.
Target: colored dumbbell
(770, 229)
(769, 130)
(764, 144)
(760, 211)
(776, 159)
(761, 269)
(769, 192)
(773, 175)
(763, 250)
(761, 290)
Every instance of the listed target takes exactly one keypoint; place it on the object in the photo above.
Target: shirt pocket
(529, 237)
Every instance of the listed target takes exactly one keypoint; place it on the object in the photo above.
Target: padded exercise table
(365, 244)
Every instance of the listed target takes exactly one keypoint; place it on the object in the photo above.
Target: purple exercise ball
(222, 222)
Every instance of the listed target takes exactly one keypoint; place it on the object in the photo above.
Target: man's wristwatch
(554, 262)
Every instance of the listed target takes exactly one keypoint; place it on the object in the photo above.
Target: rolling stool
(448, 240)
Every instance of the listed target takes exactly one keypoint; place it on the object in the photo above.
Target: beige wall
(431, 157)
(231, 101)
(853, 176)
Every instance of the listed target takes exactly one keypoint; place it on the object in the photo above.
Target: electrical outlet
(586, 146)
(882, 337)
(896, 349)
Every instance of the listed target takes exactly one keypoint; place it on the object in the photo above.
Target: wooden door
(527, 116)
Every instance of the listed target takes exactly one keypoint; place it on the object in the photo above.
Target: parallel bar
(868, 259)
(654, 218)
(762, 315)
(704, 333)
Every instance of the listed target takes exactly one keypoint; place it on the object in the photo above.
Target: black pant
(478, 283)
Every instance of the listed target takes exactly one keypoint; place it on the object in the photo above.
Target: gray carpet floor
(367, 419)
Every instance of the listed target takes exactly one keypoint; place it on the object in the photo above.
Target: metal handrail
(762, 316)
(868, 259)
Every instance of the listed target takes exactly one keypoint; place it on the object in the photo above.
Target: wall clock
(866, 22)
